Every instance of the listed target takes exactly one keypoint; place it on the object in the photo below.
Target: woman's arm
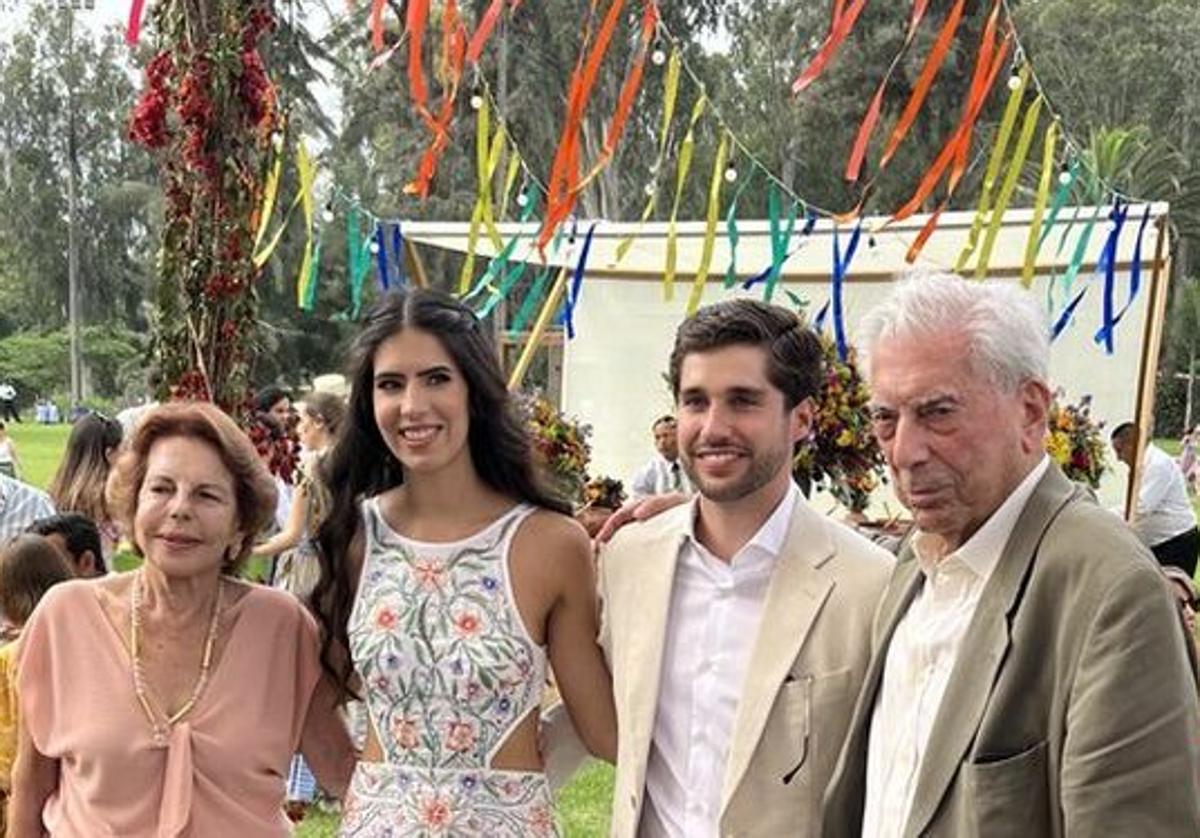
(293, 530)
(35, 777)
(325, 742)
(579, 670)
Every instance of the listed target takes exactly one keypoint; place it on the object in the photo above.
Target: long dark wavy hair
(361, 465)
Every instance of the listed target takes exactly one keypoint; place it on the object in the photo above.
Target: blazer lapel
(794, 598)
(982, 651)
(651, 590)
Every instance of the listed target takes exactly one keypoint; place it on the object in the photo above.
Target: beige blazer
(805, 668)
(1071, 710)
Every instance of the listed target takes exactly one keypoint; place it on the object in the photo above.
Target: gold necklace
(162, 728)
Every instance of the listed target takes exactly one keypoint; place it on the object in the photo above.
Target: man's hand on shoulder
(638, 509)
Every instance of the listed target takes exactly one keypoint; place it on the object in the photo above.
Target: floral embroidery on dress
(449, 671)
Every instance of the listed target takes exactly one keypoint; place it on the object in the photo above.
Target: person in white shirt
(1029, 674)
(20, 505)
(1165, 520)
(664, 474)
(8, 402)
(735, 625)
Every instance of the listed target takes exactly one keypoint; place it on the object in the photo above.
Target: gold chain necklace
(162, 727)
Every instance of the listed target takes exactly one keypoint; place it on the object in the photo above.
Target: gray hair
(1004, 328)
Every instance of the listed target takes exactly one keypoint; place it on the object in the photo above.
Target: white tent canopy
(613, 369)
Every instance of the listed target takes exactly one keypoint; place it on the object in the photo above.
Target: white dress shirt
(20, 505)
(922, 655)
(715, 611)
(658, 477)
(1163, 509)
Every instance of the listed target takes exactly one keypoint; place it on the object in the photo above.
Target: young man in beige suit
(1029, 676)
(735, 625)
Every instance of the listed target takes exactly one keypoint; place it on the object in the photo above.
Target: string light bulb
(648, 189)
(1064, 177)
(1014, 82)
(731, 173)
(659, 56)
(476, 101)
(277, 140)
(373, 247)
(327, 215)
(522, 199)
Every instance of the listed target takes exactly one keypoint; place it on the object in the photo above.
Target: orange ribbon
(933, 62)
(377, 24)
(841, 28)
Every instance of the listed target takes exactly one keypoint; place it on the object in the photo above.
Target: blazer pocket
(1007, 794)
(805, 701)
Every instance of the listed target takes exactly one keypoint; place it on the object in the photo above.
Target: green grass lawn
(39, 448)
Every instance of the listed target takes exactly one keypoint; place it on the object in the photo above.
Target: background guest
(29, 566)
(78, 485)
(1165, 520)
(10, 464)
(76, 538)
(664, 473)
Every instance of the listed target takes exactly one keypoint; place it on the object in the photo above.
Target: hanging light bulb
(373, 247)
(648, 189)
(1014, 82)
(277, 140)
(327, 214)
(1064, 177)
(731, 173)
(476, 101)
(659, 56)
(522, 199)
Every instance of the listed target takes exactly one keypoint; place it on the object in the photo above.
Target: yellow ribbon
(685, 162)
(710, 228)
(487, 157)
(1010, 183)
(1039, 205)
(993, 167)
(268, 205)
(510, 177)
(670, 91)
(304, 169)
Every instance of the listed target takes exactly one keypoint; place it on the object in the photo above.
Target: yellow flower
(845, 439)
(1058, 446)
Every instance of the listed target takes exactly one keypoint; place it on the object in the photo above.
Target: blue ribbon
(1067, 314)
(1135, 270)
(576, 285)
(381, 257)
(819, 321)
(840, 267)
(1107, 266)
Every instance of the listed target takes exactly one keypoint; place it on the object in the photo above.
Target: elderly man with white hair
(1028, 673)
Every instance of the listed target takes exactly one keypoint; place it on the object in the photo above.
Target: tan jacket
(1071, 710)
(805, 668)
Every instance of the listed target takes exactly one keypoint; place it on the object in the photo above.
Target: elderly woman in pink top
(168, 701)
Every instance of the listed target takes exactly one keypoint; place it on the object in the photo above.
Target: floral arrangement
(207, 112)
(561, 445)
(278, 449)
(606, 492)
(1075, 440)
(842, 454)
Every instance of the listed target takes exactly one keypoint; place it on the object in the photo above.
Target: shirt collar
(773, 532)
(981, 551)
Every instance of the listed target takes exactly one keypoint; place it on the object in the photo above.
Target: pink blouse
(222, 772)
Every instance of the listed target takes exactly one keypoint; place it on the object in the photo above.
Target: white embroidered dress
(449, 671)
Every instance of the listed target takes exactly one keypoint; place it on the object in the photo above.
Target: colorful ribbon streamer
(686, 150)
(1032, 245)
(381, 260)
(731, 230)
(992, 173)
(841, 265)
(1108, 267)
(670, 93)
(357, 260)
(1010, 182)
(841, 28)
(306, 175)
(134, 29)
(576, 287)
(710, 226)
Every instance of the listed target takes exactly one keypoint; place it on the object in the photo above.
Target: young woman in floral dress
(449, 580)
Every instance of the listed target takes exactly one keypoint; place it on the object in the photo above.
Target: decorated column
(207, 111)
